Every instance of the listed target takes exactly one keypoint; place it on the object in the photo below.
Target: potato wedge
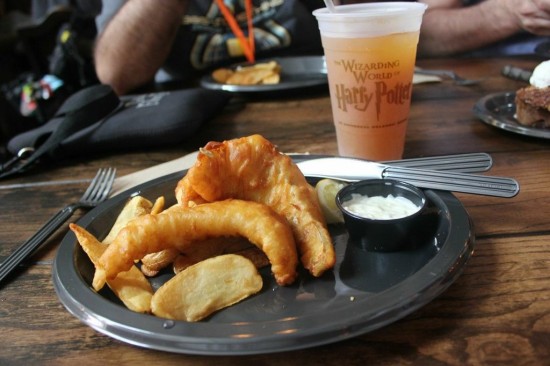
(135, 207)
(255, 255)
(272, 79)
(207, 287)
(260, 73)
(221, 75)
(158, 206)
(131, 287)
(153, 263)
(249, 77)
(210, 248)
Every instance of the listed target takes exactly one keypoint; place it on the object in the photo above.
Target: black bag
(95, 120)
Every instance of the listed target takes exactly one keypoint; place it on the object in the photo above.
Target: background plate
(499, 109)
(296, 73)
(365, 290)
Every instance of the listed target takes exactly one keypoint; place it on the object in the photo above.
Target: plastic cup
(370, 52)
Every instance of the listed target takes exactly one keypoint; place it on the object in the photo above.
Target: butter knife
(516, 73)
(350, 170)
(458, 163)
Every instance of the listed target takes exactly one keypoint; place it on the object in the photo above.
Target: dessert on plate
(533, 101)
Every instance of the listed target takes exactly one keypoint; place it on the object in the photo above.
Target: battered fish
(182, 227)
(251, 168)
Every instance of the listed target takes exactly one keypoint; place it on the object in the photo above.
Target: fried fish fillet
(251, 168)
(182, 227)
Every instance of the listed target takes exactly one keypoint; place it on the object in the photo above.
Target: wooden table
(497, 312)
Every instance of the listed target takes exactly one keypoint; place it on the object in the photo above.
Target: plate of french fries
(269, 75)
(232, 303)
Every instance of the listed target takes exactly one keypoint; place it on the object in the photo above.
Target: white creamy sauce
(380, 208)
(541, 75)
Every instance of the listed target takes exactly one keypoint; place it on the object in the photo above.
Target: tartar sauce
(379, 207)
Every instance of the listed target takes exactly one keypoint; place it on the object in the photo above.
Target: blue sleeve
(108, 10)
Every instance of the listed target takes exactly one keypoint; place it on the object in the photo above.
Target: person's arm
(136, 42)
(449, 28)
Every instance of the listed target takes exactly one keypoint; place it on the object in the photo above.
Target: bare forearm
(453, 30)
(136, 42)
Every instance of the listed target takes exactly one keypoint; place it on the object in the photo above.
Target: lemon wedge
(326, 192)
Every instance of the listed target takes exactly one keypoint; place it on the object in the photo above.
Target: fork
(97, 192)
(448, 73)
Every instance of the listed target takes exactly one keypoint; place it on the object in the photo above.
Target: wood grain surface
(496, 313)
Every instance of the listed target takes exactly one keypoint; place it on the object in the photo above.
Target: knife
(516, 73)
(459, 163)
(351, 170)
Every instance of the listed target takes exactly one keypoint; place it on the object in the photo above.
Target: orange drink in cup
(370, 51)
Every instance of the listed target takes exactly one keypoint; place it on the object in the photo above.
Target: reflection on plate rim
(506, 122)
(153, 332)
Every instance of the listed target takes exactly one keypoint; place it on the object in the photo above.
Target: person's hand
(532, 15)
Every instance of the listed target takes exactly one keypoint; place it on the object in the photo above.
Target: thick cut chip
(131, 287)
(218, 246)
(207, 287)
(260, 73)
(137, 206)
(249, 76)
(221, 75)
(272, 79)
(256, 256)
(158, 206)
(153, 263)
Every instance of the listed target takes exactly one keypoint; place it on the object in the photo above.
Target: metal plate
(365, 291)
(499, 110)
(296, 73)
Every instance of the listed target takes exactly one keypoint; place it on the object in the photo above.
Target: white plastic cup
(370, 51)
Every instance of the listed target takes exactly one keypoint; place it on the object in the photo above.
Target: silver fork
(97, 192)
(447, 73)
